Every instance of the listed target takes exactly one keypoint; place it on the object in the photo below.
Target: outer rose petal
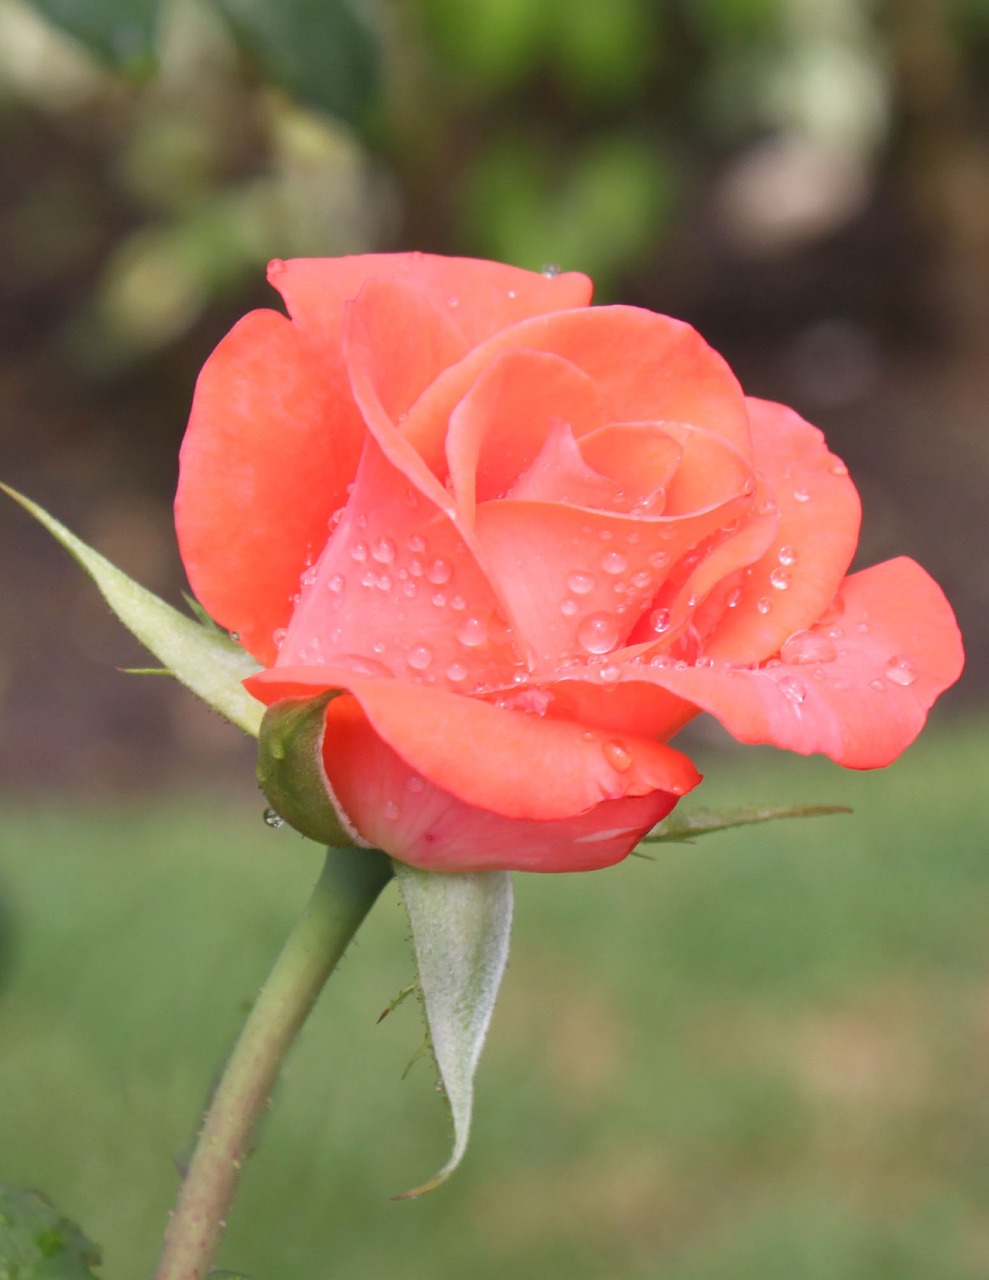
(896, 649)
(480, 297)
(394, 808)
(816, 537)
(507, 762)
(272, 441)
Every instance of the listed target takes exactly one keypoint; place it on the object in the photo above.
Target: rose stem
(346, 890)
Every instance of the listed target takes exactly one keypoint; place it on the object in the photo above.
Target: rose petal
(273, 440)
(645, 368)
(577, 581)
(397, 590)
(819, 514)
(486, 297)
(499, 427)
(546, 768)
(395, 808)
(896, 648)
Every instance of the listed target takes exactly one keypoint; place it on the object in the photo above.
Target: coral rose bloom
(528, 540)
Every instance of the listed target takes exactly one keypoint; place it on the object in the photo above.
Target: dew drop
(780, 579)
(610, 674)
(734, 598)
(804, 647)
(598, 633)
(642, 579)
(439, 599)
(614, 562)
(568, 607)
(862, 628)
(786, 555)
(273, 818)
(384, 551)
(767, 508)
(659, 558)
(368, 578)
(793, 689)
(901, 670)
(439, 572)
(618, 756)
(580, 583)
(458, 603)
(419, 657)
(801, 495)
(416, 569)
(358, 552)
(415, 784)
(278, 637)
(472, 632)
(456, 672)
(705, 662)
(659, 620)
(763, 604)
(308, 578)
(512, 293)
(275, 267)
(409, 590)
(391, 810)
(838, 468)
(550, 271)
(335, 583)
(416, 544)
(878, 685)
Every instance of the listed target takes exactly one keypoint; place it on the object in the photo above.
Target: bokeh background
(762, 1058)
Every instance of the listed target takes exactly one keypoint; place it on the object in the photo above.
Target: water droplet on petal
(278, 637)
(416, 544)
(568, 607)
(384, 551)
(580, 583)
(416, 784)
(786, 555)
(618, 756)
(901, 670)
(804, 647)
(878, 685)
(704, 662)
(598, 633)
(439, 599)
(458, 602)
(550, 270)
(734, 598)
(472, 632)
(358, 552)
(368, 578)
(439, 572)
(642, 579)
(764, 604)
(419, 657)
(335, 583)
(793, 689)
(273, 818)
(391, 810)
(409, 590)
(512, 293)
(275, 267)
(838, 468)
(456, 672)
(781, 579)
(801, 495)
(614, 562)
(659, 620)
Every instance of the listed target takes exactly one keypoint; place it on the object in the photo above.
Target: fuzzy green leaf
(461, 925)
(204, 659)
(121, 32)
(38, 1243)
(684, 828)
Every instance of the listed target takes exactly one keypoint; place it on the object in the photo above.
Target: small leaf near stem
(461, 925)
(683, 828)
(347, 889)
(202, 658)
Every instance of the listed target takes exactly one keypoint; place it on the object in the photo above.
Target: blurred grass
(756, 1058)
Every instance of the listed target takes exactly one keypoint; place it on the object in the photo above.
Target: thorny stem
(346, 890)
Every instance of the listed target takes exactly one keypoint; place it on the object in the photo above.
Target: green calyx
(291, 772)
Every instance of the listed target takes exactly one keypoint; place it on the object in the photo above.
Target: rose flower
(525, 541)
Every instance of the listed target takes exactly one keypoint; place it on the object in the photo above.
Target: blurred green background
(763, 1057)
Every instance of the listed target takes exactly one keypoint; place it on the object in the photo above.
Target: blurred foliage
(38, 1243)
(536, 131)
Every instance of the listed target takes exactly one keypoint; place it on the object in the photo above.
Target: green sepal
(291, 771)
(38, 1243)
(683, 828)
(461, 926)
(203, 658)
